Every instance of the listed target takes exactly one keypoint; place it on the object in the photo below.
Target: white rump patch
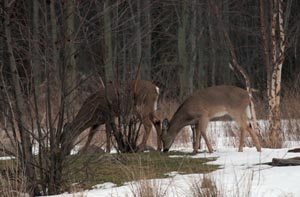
(155, 105)
(248, 112)
(219, 114)
(157, 89)
(156, 100)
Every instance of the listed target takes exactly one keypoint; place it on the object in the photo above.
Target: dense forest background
(54, 54)
(179, 44)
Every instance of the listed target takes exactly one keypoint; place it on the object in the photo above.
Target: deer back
(117, 98)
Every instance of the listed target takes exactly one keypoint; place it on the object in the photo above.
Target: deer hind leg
(92, 132)
(157, 124)
(108, 132)
(147, 126)
(247, 126)
(242, 120)
(242, 137)
(201, 130)
(254, 137)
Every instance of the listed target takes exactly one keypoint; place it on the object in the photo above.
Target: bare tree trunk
(278, 47)
(55, 163)
(146, 21)
(212, 50)
(26, 155)
(70, 59)
(108, 41)
(201, 59)
(36, 80)
(265, 44)
(36, 60)
(138, 30)
(193, 43)
(182, 48)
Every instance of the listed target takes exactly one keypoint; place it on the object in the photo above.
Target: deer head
(199, 108)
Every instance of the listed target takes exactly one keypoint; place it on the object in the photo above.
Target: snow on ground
(240, 176)
(241, 173)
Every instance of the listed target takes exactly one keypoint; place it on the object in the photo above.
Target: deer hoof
(195, 152)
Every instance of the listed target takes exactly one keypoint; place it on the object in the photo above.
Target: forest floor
(238, 173)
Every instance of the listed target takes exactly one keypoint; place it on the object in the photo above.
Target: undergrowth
(121, 168)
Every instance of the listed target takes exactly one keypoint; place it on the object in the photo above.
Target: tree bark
(146, 49)
(55, 162)
(182, 49)
(265, 44)
(212, 50)
(70, 58)
(108, 42)
(26, 154)
(37, 80)
(193, 43)
(278, 47)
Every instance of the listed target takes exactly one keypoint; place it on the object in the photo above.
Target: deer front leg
(159, 136)
(201, 130)
(197, 138)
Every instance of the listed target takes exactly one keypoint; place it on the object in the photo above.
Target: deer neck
(176, 124)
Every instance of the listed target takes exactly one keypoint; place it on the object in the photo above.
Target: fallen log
(295, 161)
(295, 150)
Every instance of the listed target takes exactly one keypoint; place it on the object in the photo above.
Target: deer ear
(165, 124)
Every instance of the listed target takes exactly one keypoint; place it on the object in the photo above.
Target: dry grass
(290, 104)
(12, 180)
(205, 187)
(147, 188)
(290, 118)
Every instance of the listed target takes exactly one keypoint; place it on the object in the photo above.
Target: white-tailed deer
(97, 110)
(206, 104)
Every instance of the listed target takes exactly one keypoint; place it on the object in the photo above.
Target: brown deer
(199, 108)
(100, 106)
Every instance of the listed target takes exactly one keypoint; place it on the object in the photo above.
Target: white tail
(206, 104)
(95, 110)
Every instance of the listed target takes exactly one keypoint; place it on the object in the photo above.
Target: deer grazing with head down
(102, 106)
(199, 108)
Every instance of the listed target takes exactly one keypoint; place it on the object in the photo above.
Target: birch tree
(274, 57)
